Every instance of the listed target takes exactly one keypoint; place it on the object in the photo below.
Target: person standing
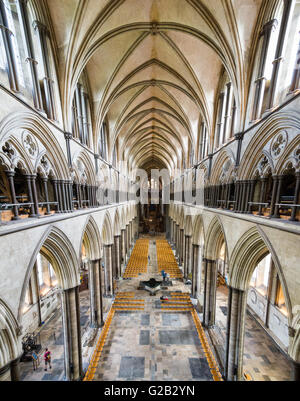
(47, 359)
(35, 360)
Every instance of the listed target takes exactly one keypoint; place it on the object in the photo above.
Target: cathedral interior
(93, 91)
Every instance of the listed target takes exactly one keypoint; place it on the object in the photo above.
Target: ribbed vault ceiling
(154, 68)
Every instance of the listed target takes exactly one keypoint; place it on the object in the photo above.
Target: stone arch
(287, 122)
(188, 226)
(18, 123)
(91, 236)
(10, 348)
(198, 231)
(57, 248)
(127, 215)
(117, 225)
(83, 169)
(123, 220)
(106, 233)
(223, 168)
(181, 219)
(252, 247)
(214, 236)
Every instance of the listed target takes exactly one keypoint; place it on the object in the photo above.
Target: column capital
(239, 136)
(272, 24)
(68, 136)
(235, 289)
(95, 261)
(37, 25)
(10, 173)
(208, 260)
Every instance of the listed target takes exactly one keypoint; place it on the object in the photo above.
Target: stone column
(109, 290)
(11, 371)
(72, 334)
(91, 273)
(35, 195)
(195, 268)
(97, 299)
(173, 232)
(274, 193)
(276, 212)
(251, 196)
(234, 335)
(295, 374)
(30, 196)
(117, 241)
(188, 253)
(10, 176)
(131, 232)
(5, 373)
(15, 370)
(127, 240)
(181, 247)
(177, 239)
(296, 197)
(55, 186)
(123, 246)
(45, 182)
(210, 287)
(262, 195)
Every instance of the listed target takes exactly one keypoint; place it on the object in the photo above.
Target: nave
(153, 340)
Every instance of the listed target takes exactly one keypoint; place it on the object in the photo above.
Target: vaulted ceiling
(154, 67)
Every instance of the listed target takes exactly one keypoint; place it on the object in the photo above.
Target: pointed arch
(10, 347)
(198, 231)
(117, 226)
(106, 233)
(58, 250)
(92, 239)
(214, 237)
(188, 225)
(252, 247)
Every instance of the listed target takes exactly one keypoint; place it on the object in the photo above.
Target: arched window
(203, 142)
(81, 114)
(102, 148)
(226, 114)
(293, 52)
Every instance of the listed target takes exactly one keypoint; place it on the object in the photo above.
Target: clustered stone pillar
(127, 239)
(108, 277)
(123, 246)
(72, 334)
(187, 255)
(117, 256)
(181, 246)
(10, 177)
(295, 374)
(234, 334)
(11, 371)
(95, 288)
(177, 239)
(195, 269)
(210, 287)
